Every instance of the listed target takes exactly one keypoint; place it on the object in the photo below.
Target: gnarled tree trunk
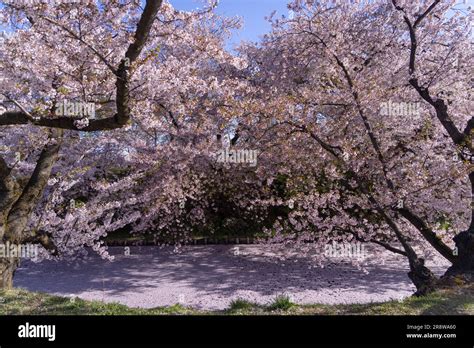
(15, 215)
(463, 266)
(7, 271)
(424, 280)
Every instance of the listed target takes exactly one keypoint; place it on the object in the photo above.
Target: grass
(239, 305)
(281, 303)
(22, 302)
(445, 302)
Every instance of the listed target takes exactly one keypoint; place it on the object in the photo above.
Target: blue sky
(253, 13)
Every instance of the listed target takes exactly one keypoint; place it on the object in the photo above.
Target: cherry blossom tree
(381, 93)
(144, 68)
(359, 114)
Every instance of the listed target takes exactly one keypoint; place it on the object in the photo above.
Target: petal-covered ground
(210, 277)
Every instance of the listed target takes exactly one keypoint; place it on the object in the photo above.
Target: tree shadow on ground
(208, 271)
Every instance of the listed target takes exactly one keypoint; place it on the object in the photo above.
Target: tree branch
(439, 104)
(422, 16)
(4, 170)
(21, 209)
(23, 110)
(365, 120)
(383, 244)
(77, 37)
(44, 239)
(389, 247)
(469, 127)
(329, 148)
(428, 234)
(10, 118)
(441, 112)
(122, 117)
(143, 29)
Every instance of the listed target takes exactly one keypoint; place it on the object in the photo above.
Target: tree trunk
(462, 269)
(8, 267)
(424, 280)
(14, 217)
